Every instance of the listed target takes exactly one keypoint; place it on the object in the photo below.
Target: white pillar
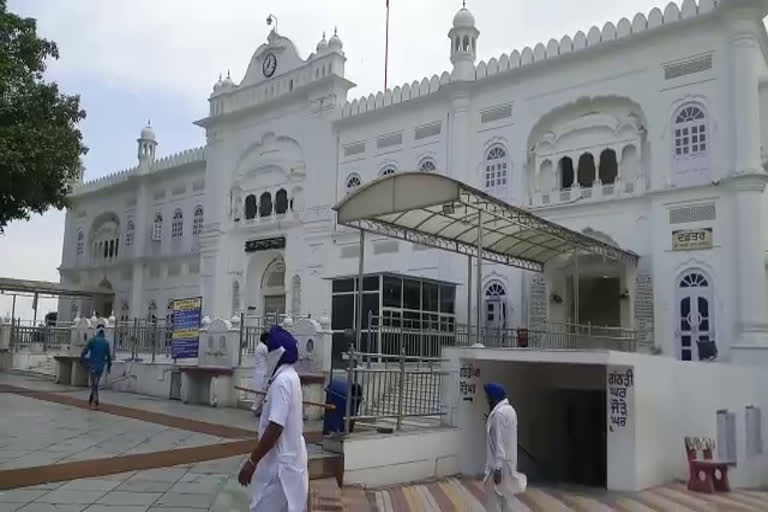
(749, 253)
(141, 232)
(744, 54)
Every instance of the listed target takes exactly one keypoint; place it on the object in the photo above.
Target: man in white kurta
(502, 481)
(278, 465)
(260, 376)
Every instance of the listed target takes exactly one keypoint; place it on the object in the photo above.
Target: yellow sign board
(692, 239)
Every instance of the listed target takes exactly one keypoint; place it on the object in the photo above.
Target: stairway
(419, 393)
(326, 496)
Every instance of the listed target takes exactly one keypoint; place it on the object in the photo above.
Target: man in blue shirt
(98, 355)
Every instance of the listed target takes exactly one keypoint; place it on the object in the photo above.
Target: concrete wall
(375, 460)
(667, 401)
(674, 399)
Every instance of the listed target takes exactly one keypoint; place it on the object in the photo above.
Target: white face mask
(273, 358)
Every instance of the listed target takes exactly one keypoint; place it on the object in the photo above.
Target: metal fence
(393, 390)
(426, 338)
(139, 338)
(40, 338)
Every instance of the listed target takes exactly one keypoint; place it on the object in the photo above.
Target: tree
(40, 144)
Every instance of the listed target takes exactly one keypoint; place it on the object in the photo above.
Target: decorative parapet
(394, 96)
(595, 37)
(186, 157)
(541, 52)
(104, 181)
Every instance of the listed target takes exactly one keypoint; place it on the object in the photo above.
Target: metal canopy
(48, 288)
(437, 211)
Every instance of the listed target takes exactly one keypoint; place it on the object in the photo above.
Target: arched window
(586, 173)
(177, 226)
(130, 233)
(197, 221)
(690, 131)
(157, 228)
(427, 165)
(281, 202)
(566, 173)
(496, 168)
(609, 167)
(235, 297)
(265, 205)
(386, 171)
(80, 243)
(250, 207)
(352, 183)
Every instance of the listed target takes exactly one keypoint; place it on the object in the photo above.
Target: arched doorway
(273, 288)
(103, 304)
(495, 306)
(695, 316)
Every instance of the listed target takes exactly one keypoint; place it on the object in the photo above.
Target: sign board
(187, 314)
(692, 239)
(468, 376)
(265, 244)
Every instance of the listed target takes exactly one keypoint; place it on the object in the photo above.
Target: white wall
(675, 399)
(669, 400)
(377, 460)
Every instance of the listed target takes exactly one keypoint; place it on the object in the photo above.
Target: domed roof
(463, 19)
(217, 85)
(227, 83)
(147, 132)
(335, 42)
(322, 45)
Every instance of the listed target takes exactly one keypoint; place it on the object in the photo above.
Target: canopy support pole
(34, 306)
(576, 288)
(359, 319)
(469, 299)
(479, 283)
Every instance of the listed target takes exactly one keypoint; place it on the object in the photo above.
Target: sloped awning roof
(11, 285)
(437, 211)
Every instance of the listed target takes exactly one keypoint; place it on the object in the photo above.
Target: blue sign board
(187, 314)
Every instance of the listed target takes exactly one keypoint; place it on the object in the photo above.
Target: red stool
(705, 474)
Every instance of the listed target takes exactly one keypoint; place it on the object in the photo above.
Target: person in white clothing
(502, 481)
(278, 465)
(260, 376)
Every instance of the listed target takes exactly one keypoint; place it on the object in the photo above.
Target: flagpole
(386, 50)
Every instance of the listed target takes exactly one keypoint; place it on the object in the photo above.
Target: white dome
(322, 45)
(148, 133)
(335, 42)
(217, 85)
(464, 19)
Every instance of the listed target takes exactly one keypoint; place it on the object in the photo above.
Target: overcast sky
(134, 60)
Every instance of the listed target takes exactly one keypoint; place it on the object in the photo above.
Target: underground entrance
(561, 411)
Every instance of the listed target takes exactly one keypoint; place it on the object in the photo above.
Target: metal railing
(426, 338)
(40, 338)
(385, 389)
(139, 338)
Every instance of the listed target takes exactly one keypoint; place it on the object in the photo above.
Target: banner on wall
(187, 314)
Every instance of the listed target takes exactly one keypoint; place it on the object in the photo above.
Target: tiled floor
(36, 433)
(189, 487)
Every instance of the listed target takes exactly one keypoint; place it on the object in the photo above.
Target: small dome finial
(228, 74)
(335, 30)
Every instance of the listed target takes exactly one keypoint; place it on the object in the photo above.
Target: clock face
(269, 65)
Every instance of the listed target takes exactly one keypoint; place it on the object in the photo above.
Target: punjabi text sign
(185, 342)
(692, 239)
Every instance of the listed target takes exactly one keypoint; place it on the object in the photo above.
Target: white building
(647, 133)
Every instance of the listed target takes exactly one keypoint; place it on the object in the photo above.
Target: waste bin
(336, 394)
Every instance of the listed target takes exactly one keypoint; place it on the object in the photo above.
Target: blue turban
(279, 337)
(495, 391)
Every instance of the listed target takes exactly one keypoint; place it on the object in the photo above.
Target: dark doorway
(584, 459)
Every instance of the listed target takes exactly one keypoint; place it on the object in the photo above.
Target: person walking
(96, 355)
(502, 481)
(278, 464)
(260, 376)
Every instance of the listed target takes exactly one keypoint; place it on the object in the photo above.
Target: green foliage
(40, 144)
